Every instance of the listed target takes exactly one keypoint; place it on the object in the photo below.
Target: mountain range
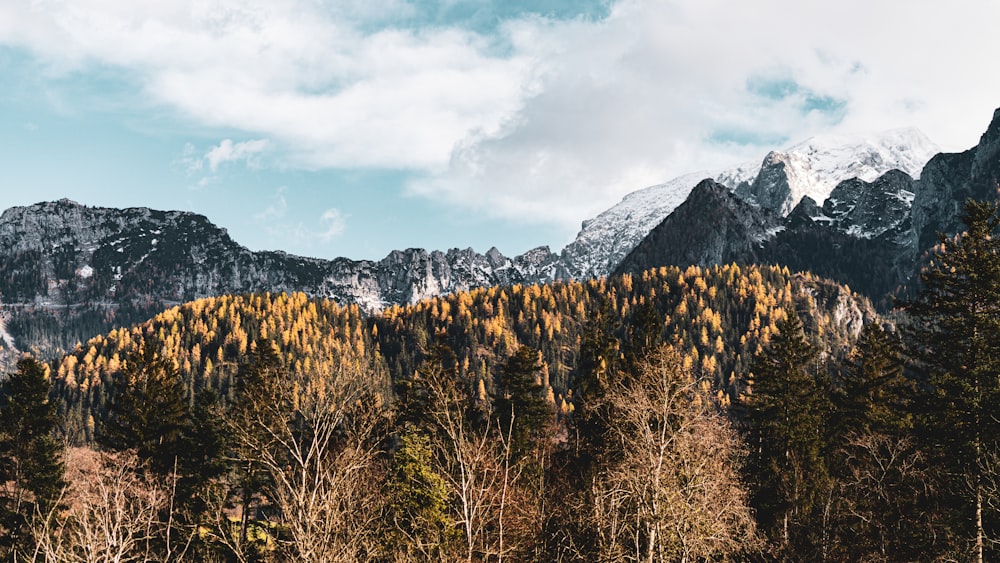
(69, 271)
(872, 235)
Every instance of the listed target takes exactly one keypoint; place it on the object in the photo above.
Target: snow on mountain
(811, 168)
(814, 167)
(605, 240)
(69, 271)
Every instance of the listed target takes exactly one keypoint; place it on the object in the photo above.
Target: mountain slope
(868, 234)
(718, 317)
(69, 271)
(812, 168)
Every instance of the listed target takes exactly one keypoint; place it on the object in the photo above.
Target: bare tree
(111, 512)
(674, 494)
(490, 498)
(885, 502)
(319, 454)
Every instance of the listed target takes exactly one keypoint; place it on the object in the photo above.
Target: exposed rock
(712, 227)
(869, 234)
(809, 169)
(68, 271)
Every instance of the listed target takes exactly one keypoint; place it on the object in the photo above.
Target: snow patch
(813, 168)
(85, 272)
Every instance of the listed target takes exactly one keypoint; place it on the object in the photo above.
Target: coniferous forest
(730, 413)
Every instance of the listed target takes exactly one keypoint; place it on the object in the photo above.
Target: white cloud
(274, 218)
(277, 209)
(663, 87)
(306, 75)
(227, 151)
(548, 121)
(334, 224)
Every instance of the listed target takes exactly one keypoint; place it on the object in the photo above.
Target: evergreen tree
(31, 459)
(519, 405)
(599, 360)
(880, 507)
(644, 335)
(264, 400)
(149, 412)
(873, 394)
(414, 404)
(786, 409)
(418, 507)
(202, 460)
(955, 342)
(420, 524)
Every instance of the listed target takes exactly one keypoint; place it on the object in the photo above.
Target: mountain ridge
(64, 265)
(872, 235)
(812, 167)
(68, 271)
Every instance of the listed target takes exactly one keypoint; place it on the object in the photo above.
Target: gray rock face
(871, 209)
(949, 179)
(870, 235)
(68, 271)
(712, 226)
(778, 183)
(770, 188)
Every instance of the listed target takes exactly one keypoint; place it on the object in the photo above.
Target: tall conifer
(31, 465)
(519, 405)
(149, 412)
(786, 409)
(955, 340)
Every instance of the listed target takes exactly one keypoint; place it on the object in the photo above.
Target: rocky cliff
(872, 235)
(69, 271)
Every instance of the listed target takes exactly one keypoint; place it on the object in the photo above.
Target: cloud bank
(540, 117)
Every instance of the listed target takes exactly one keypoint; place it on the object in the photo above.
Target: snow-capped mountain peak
(779, 181)
(814, 167)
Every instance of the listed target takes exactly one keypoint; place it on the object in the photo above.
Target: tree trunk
(979, 521)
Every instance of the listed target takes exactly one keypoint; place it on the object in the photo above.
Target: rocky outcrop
(778, 183)
(69, 271)
(871, 235)
(712, 226)
(949, 180)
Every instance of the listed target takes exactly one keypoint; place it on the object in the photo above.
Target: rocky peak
(770, 189)
(951, 178)
(777, 183)
(807, 211)
(869, 209)
(986, 166)
(66, 265)
(712, 226)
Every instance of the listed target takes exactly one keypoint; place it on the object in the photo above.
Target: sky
(353, 127)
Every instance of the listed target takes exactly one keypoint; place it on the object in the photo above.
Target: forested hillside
(716, 317)
(727, 413)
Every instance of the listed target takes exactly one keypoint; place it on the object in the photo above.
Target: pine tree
(599, 360)
(520, 407)
(149, 412)
(786, 409)
(644, 335)
(31, 459)
(874, 394)
(880, 507)
(263, 400)
(202, 458)
(955, 341)
(418, 494)
(418, 502)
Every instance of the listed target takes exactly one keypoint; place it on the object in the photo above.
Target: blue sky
(353, 127)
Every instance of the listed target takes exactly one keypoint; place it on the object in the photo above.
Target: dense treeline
(717, 318)
(720, 414)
